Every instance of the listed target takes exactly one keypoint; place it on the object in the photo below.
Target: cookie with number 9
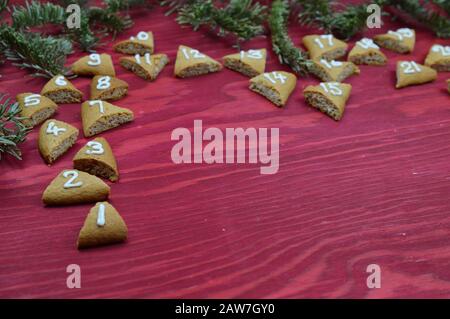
(94, 64)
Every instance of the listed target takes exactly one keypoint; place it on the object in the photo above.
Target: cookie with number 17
(324, 46)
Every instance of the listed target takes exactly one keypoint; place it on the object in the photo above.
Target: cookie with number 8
(107, 88)
(75, 187)
(55, 138)
(412, 73)
(97, 158)
(94, 64)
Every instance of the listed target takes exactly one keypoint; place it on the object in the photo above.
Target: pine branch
(281, 42)
(444, 4)
(3, 5)
(417, 10)
(12, 130)
(45, 56)
(242, 18)
(37, 14)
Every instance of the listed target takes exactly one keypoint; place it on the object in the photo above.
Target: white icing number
(328, 37)
(94, 59)
(148, 61)
(73, 175)
(60, 81)
(142, 36)
(53, 129)
(445, 51)
(103, 82)
(31, 100)
(276, 76)
(410, 67)
(331, 87)
(252, 54)
(403, 32)
(96, 148)
(331, 64)
(100, 105)
(367, 43)
(101, 215)
(192, 53)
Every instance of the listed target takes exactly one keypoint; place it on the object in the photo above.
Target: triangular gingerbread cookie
(55, 138)
(401, 41)
(141, 44)
(250, 63)
(412, 73)
(367, 52)
(329, 97)
(94, 64)
(147, 66)
(332, 71)
(99, 116)
(191, 62)
(103, 226)
(97, 158)
(105, 87)
(324, 46)
(75, 187)
(438, 58)
(276, 86)
(448, 85)
(35, 108)
(60, 91)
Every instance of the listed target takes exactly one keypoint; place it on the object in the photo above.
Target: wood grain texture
(373, 188)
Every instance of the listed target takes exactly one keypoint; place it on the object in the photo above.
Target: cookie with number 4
(55, 138)
(75, 187)
(412, 73)
(97, 158)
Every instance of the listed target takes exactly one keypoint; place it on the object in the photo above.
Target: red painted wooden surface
(373, 188)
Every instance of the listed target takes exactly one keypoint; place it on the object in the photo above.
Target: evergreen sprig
(12, 130)
(242, 18)
(444, 4)
(3, 5)
(44, 56)
(282, 44)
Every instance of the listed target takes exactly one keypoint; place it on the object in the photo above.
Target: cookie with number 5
(75, 187)
(94, 64)
(97, 158)
(55, 138)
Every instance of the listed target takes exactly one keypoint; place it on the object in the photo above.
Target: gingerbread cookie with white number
(324, 46)
(329, 97)
(55, 138)
(332, 71)
(448, 85)
(107, 88)
(75, 187)
(61, 91)
(103, 226)
(94, 64)
(147, 66)
(250, 63)
(191, 62)
(412, 73)
(276, 86)
(35, 108)
(438, 58)
(97, 158)
(367, 52)
(141, 44)
(401, 41)
(99, 116)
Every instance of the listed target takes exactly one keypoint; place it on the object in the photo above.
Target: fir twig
(12, 130)
(45, 56)
(242, 18)
(444, 4)
(282, 44)
(3, 5)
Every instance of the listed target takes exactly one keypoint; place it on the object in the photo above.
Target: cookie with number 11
(147, 66)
